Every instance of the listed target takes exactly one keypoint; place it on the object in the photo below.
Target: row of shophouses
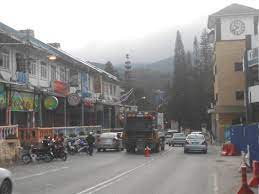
(43, 86)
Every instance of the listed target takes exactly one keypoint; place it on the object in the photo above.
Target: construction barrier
(254, 182)
(29, 136)
(244, 188)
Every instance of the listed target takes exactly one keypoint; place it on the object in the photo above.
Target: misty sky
(101, 30)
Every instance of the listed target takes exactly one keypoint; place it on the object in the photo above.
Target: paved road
(169, 172)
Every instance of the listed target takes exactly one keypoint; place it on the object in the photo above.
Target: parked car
(109, 141)
(197, 132)
(6, 185)
(195, 143)
(177, 139)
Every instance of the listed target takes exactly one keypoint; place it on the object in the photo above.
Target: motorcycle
(58, 151)
(37, 154)
(71, 148)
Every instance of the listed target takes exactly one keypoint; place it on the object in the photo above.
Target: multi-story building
(229, 29)
(41, 85)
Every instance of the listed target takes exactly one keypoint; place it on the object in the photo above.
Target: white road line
(215, 183)
(104, 186)
(40, 174)
(114, 178)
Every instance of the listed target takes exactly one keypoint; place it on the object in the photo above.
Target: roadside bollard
(147, 151)
(254, 182)
(244, 188)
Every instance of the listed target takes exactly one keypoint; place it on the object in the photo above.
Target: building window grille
(53, 72)
(238, 66)
(4, 59)
(32, 67)
(43, 70)
(239, 95)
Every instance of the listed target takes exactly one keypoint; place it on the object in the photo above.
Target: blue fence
(243, 135)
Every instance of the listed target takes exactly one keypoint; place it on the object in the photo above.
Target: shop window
(62, 74)
(4, 59)
(238, 66)
(20, 62)
(239, 95)
(43, 70)
(53, 72)
(32, 67)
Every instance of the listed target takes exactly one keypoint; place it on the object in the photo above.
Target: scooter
(37, 154)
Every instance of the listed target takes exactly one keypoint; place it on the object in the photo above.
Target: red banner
(61, 87)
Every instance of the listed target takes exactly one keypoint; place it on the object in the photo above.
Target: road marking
(114, 178)
(40, 174)
(215, 183)
(104, 186)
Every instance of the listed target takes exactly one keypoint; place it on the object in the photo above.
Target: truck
(141, 130)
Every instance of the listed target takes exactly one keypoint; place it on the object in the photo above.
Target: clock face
(237, 27)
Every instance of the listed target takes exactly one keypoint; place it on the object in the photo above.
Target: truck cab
(140, 131)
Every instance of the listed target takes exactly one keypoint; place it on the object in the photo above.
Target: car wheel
(98, 150)
(104, 149)
(173, 145)
(205, 151)
(122, 149)
(169, 144)
(6, 187)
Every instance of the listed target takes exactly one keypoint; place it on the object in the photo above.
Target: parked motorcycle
(36, 154)
(58, 151)
(71, 148)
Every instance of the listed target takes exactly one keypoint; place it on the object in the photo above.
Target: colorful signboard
(3, 102)
(61, 87)
(23, 101)
(73, 99)
(51, 103)
(84, 84)
(97, 84)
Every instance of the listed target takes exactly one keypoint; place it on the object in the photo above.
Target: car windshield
(195, 136)
(179, 135)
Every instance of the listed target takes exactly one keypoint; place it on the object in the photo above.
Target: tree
(109, 68)
(206, 75)
(196, 52)
(178, 92)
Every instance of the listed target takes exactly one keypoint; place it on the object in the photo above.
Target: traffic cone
(254, 182)
(147, 151)
(244, 188)
(225, 150)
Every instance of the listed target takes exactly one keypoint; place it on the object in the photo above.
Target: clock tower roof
(232, 10)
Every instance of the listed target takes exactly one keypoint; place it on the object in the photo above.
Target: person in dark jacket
(90, 140)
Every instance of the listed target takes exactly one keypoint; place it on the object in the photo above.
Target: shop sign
(2, 96)
(51, 103)
(84, 84)
(73, 99)
(61, 87)
(97, 84)
(23, 101)
(253, 57)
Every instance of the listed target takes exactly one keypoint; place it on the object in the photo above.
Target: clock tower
(229, 27)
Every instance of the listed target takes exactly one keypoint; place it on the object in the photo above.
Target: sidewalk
(227, 173)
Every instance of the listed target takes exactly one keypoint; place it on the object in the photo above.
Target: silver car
(195, 143)
(109, 141)
(177, 139)
(6, 186)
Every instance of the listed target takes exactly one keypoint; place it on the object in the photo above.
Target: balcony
(253, 92)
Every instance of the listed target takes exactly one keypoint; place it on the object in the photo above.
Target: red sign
(61, 87)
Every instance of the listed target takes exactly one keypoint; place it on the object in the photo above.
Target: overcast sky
(101, 30)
